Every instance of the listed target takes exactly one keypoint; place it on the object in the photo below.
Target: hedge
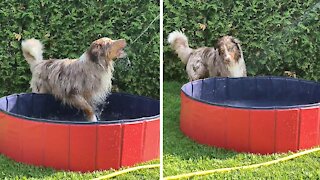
(67, 28)
(276, 35)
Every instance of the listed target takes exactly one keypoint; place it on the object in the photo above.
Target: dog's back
(67, 77)
(205, 62)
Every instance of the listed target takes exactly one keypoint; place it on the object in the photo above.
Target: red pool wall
(250, 130)
(79, 147)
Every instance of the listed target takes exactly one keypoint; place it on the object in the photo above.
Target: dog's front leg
(39, 88)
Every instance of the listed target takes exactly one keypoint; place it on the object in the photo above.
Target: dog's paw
(93, 119)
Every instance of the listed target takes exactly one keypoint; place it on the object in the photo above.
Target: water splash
(99, 110)
(124, 63)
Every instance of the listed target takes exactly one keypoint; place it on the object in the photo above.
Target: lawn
(182, 155)
(13, 170)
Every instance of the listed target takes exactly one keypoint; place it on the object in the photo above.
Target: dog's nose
(227, 60)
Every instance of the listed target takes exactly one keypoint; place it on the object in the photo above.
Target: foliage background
(276, 35)
(66, 28)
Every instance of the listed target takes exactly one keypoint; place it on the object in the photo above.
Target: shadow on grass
(175, 142)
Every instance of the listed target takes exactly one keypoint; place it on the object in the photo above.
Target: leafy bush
(276, 35)
(67, 28)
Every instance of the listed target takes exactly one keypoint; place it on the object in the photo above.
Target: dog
(224, 61)
(230, 51)
(83, 83)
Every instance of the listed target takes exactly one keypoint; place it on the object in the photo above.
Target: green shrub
(67, 28)
(276, 35)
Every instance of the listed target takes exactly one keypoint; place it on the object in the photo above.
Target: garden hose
(117, 173)
(202, 173)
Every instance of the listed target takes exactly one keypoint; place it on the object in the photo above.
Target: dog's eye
(232, 48)
(98, 45)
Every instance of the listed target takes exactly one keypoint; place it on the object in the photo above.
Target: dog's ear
(238, 43)
(94, 52)
(235, 40)
(219, 45)
(116, 49)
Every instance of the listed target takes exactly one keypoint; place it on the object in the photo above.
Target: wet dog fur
(82, 83)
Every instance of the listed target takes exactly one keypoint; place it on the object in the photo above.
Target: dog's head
(229, 49)
(106, 49)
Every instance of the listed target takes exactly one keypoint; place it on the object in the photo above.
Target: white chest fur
(237, 69)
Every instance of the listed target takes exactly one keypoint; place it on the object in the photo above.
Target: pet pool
(254, 114)
(36, 129)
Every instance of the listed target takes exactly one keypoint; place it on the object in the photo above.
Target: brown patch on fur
(207, 52)
(87, 95)
(81, 103)
(235, 55)
(94, 53)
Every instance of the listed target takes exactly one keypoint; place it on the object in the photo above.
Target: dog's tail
(32, 50)
(179, 43)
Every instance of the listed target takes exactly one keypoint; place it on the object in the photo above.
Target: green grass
(10, 169)
(182, 155)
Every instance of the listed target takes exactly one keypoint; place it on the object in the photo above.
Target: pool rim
(120, 121)
(253, 107)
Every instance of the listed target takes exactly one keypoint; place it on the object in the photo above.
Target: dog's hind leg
(81, 103)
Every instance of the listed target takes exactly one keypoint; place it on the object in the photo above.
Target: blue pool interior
(255, 92)
(118, 107)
